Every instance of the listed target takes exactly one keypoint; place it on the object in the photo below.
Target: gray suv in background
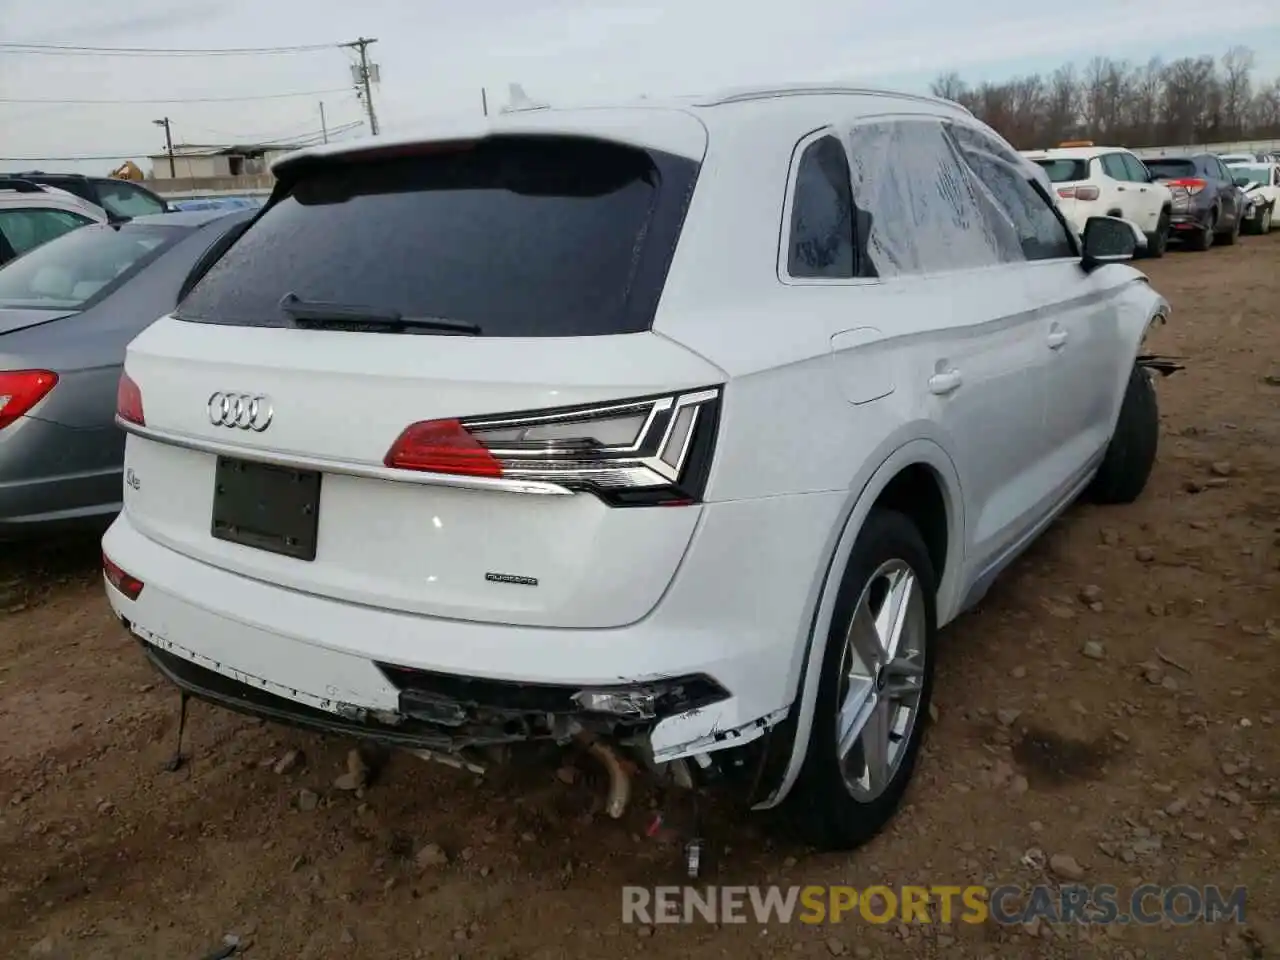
(1207, 204)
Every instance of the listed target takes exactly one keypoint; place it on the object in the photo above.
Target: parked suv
(1208, 207)
(680, 427)
(1111, 181)
(121, 199)
(31, 215)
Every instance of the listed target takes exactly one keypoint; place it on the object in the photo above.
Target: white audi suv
(680, 427)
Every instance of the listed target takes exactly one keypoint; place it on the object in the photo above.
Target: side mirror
(1107, 240)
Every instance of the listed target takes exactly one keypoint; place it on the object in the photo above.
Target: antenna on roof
(518, 100)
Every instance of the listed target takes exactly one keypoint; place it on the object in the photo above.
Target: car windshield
(125, 200)
(1171, 169)
(1245, 174)
(1065, 170)
(81, 267)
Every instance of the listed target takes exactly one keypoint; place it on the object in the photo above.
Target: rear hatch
(446, 355)
(1180, 176)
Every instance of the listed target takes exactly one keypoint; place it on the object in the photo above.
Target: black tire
(1261, 226)
(1202, 239)
(819, 807)
(1158, 242)
(1132, 451)
(1229, 238)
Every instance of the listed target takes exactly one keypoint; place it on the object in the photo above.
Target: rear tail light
(20, 390)
(129, 401)
(1191, 185)
(650, 451)
(1078, 193)
(126, 583)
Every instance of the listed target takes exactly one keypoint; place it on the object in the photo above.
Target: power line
(300, 140)
(71, 50)
(261, 96)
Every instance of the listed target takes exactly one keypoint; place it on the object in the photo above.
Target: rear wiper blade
(354, 317)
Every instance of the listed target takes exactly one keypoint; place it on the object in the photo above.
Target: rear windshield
(1065, 171)
(1171, 169)
(84, 266)
(518, 236)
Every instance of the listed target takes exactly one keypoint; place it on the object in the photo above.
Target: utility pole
(484, 101)
(168, 145)
(365, 72)
(324, 128)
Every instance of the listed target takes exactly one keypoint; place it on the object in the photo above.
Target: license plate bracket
(271, 508)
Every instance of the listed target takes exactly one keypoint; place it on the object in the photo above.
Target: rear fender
(863, 498)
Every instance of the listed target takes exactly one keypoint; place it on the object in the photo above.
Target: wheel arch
(1142, 311)
(899, 481)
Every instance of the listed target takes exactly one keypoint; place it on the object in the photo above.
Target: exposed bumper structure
(714, 666)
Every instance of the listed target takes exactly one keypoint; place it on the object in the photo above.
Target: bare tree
(1062, 105)
(1146, 90)
(1191, 100)
(949, 86)
(1237, 89)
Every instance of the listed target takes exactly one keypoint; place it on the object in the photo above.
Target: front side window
(822, 223)
(1040, 230)
(31, 227)
(920, 210)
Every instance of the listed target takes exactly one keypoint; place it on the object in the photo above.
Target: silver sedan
(68, 309)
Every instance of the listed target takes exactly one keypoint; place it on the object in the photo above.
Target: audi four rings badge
(245, 411)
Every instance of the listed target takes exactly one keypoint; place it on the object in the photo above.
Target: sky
(435, 58)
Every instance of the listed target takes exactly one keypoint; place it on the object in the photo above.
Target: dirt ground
(1152, 756)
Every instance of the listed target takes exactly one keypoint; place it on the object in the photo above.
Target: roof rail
(20, 185)
(743, 94)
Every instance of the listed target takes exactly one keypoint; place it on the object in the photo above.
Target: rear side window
(1039, 228)
(1113, 166)
(1065, 171)
(519, 236)
(1137, 172)
(1171, 169)
(822, 238)
(919, 207)
(26, 229)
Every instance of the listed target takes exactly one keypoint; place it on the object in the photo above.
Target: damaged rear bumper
(713, 667)
(438, 713)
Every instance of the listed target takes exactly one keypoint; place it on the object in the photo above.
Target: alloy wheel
(881, 680)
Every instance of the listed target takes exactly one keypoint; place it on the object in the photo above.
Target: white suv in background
(680, 427)
(31, 215)
(1097, 181)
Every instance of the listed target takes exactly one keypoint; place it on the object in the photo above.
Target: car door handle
(945, 382)
(1057, 339)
